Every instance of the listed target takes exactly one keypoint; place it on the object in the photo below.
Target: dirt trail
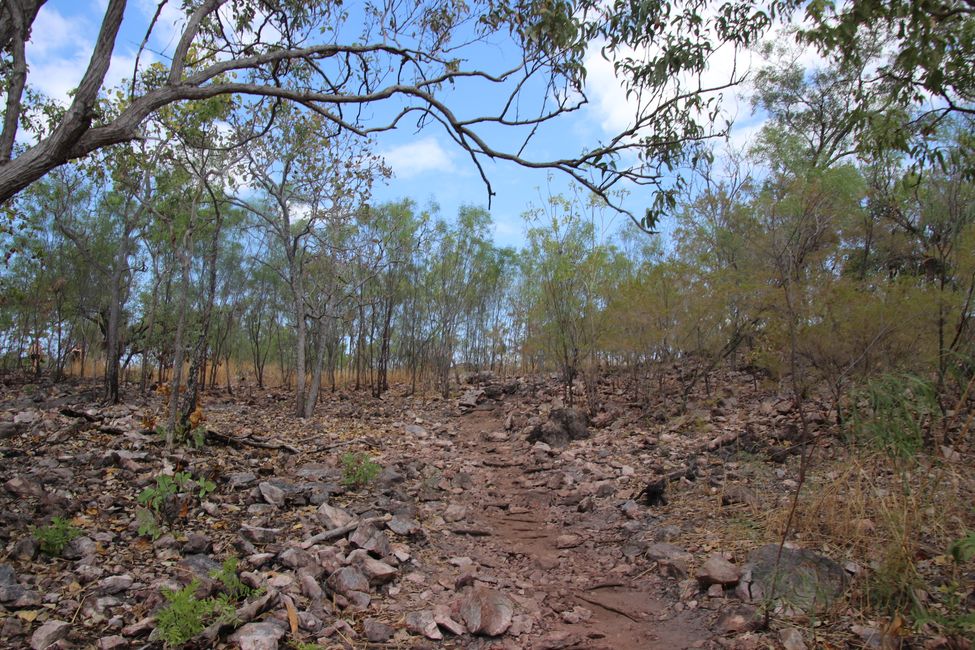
(568, 561)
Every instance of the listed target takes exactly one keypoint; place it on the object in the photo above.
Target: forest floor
(468, 536)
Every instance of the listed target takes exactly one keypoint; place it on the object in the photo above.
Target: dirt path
(567, 561)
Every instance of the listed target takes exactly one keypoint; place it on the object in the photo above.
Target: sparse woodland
(406, 434)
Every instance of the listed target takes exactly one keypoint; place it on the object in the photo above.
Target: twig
(335, 533)
(473, 532)
(234, 440)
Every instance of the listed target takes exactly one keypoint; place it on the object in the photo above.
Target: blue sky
(428, 167)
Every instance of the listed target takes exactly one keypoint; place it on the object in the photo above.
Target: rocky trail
(496, 520)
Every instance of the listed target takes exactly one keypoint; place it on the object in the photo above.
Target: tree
(400, 60)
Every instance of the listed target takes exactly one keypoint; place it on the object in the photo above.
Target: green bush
(895, 413)
(53, 538)
(358, 469)
(186, 615)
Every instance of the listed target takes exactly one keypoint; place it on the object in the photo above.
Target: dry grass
(897, 521)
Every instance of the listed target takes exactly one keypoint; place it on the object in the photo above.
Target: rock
(422, 622)
(26, 549)
(402, 525)
(49, 633)
(272, 494)
(563, 425)
(10, 429)
(415, 430)
(742, 619)
(497, 436)
(739, 494)
(569, 540)
(870, 636)
(454, 512)
(346, 580)
(259, 535)
(805, 580)
(114, 642)
(369, 538)
(443, 618)
(197, 543)
(239, 480)
(258, 636)
(718, 571)
(791, 639)
(296, 558)
(716, 591)
(664, 551)
(23, 488)
(27, 417)
(378, 573)
(376, 631)
(332, 517)
(115, 584)
(485, 611)
(471, 398)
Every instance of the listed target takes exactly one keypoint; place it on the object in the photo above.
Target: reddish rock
(485, 611)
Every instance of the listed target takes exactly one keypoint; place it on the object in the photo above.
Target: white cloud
(418, 157)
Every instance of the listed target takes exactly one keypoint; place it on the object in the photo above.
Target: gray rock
(454, 512)
(735, 493)
(376, 631)
(114, 642)
(332, 517)
(346, 580)
(49, 633)
(664, 551)
(415, 430)
(115, 584)
(718, 571)
(485, 611)
(422, 622)
(310, 587)
(258, 636)
(471, 398)
(378, 573)
(10, 429)
(563, 425)
(444, 618)
(296, 558)
(791, 639)
(197, 543)
(239, 480)
(804, 580)
(272, 494)
(368, 537)
(403, 525)
(259, 535)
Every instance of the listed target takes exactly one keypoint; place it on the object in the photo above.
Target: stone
(49, 634)
(471, 398)
(805, 580)
(346, 580)
(369, 538)
(115, 584)
(295, 558)
(664, 551)
(332, 517)
(741, 619)
(114, 642)
(735, 493)
(486, 612)
(631, 509)
(197, 543)
(562, 426)
(310, 587)
(258, 636)
(569, 540)
(272, 494)
(444, 618)
(422, 623)
(791, 639)
(23, 488)
(376, 631)
(239, 480)
(378, 573)
(718, 571)
(259, 535)
(10, 429)
(403, 525)
(454, 512)
(415, 430)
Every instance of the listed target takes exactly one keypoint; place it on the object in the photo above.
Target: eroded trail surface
(565, 560)
(470, 536)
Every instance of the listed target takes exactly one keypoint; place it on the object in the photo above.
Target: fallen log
(342, 531)
(250, 442)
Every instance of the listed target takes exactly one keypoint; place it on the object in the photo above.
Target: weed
(54, 537)
(234, 588)
(148, 525)
(184, 617)
(899, 413)
(153, 497)
(358, 469)
(963, 550)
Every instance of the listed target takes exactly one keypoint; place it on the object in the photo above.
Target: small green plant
(233, 587)
(963, 550)
(154, 497)
(358, 469)
(206, 487)
(54, 537)
(148, 525)
(898, 416)
(186, 615)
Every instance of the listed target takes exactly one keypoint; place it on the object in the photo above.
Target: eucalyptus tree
(370, 68)
(307, 173)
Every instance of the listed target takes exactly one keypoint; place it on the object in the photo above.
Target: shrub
(895, 413)
(54, 537)
(358, 469)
